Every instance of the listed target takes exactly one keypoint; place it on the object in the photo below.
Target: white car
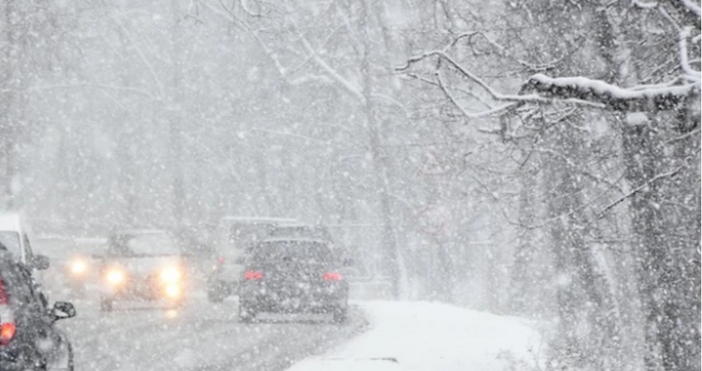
(16, 237)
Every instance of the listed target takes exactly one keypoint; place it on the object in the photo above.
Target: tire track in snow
(285, 343)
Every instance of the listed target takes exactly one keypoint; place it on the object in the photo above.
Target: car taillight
(253, 275)
(220, 261)
(8, 327)
(7, 332)
(332, 276)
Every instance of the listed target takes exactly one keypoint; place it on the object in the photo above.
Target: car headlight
(170, 275)
(78, 267)
(115, 276)
(173, 291)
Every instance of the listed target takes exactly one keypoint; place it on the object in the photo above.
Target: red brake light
(7, 332)
(332, 276)
(253, 275)
(220, 261)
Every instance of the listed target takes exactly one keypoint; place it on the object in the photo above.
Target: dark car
(318, 232)
(292, 276)
(142, 265)
(28, 338)
(237, 234)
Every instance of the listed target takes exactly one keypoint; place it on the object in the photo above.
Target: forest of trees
(537, 158)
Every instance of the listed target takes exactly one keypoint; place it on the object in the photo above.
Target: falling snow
(350, 185)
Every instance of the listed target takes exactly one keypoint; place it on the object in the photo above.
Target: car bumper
(13, 360)
(320, 300)
(173, 292)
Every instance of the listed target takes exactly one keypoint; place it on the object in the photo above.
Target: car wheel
(70, 366)
(105, 305)
(246, 314)
(215, 296)
(339, 314)
(65, 362)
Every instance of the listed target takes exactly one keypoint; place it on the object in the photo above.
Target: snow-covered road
(201, 336)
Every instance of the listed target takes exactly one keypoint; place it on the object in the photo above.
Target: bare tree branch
(465, 113)
(639, 188)
(533, 98)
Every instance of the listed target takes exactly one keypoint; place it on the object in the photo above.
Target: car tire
(69, 364)
(246, 314)
(105, 305)
(215, 296)
(340, 314)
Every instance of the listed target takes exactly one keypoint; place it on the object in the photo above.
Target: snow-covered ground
(198, 337)
(423, 336)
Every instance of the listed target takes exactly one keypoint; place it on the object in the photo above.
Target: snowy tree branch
(229, 15)
(533, 98)
(465, 113)
(142, 56)
(583, 88)
(639, 189)
(348, 85)
(684, 62)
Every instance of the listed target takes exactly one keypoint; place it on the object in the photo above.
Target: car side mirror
(41, 262)
(62, 310)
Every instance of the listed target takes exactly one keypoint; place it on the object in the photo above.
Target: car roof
(298, 225)
(6, 255)
(48, 237)
(140, 231)
(295, 239)
(10, 222)
(257, 219)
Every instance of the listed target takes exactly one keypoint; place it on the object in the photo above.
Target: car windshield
(293, 252)
(11, 241)
(245, 235)
(301, 231)
(56, 248)
(142, 244)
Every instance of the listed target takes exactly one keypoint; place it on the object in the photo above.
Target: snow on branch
(692, 7)
(684, 62)
(466, 113)
(618, 98)
(348, 85)
(531, 98)
(645, 5)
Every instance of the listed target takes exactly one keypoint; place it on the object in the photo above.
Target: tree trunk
(389, 255)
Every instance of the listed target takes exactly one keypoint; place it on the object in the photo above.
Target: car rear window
(300, 232)
(56, 248)
(11, 241)
(244, 236)
(142, 244)
(301, 252)
(16, 283)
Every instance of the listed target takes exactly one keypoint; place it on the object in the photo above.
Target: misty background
(174, 114)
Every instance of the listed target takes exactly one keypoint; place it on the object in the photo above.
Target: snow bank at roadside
(422, 336)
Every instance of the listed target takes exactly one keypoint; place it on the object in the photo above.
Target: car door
(35, 321)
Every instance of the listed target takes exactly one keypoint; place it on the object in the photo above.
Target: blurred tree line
(435, 134)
